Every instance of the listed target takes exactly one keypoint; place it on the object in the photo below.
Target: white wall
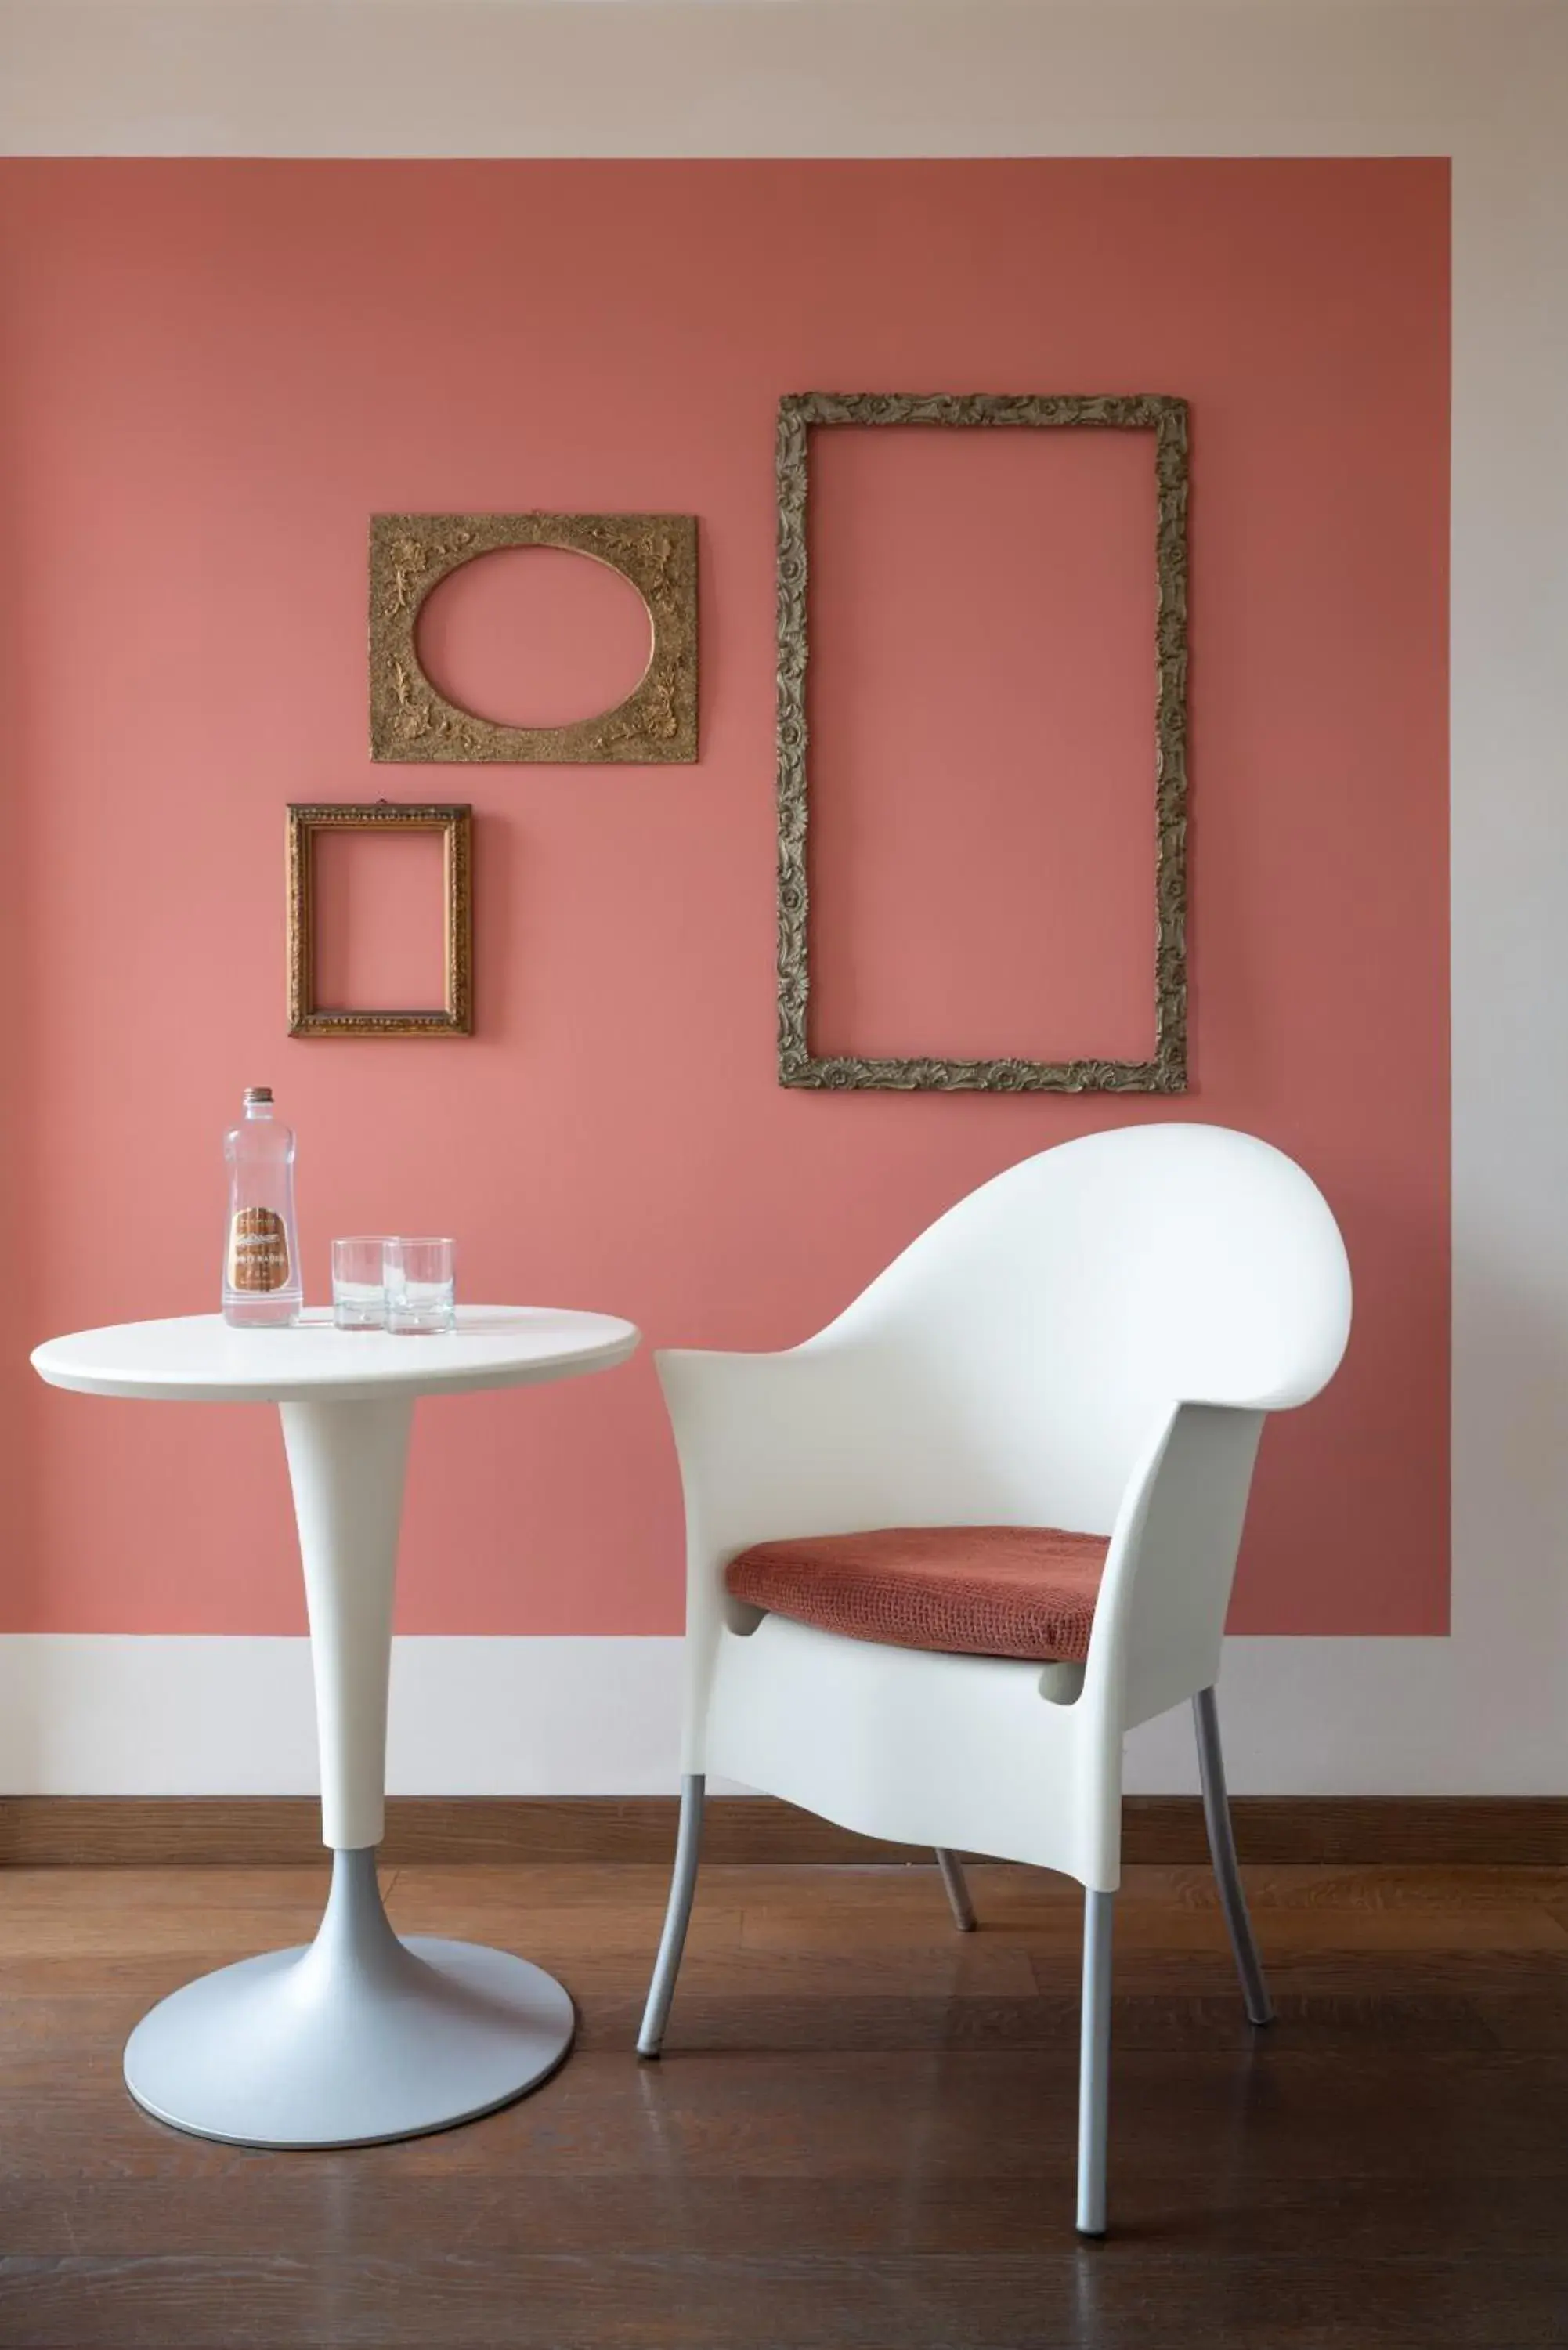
(1483, 1712)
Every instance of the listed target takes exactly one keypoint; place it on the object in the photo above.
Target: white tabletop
(199, 1360)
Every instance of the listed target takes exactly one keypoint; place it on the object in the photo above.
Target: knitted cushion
(983, 1591)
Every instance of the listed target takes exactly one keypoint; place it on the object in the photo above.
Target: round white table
(357, 2036)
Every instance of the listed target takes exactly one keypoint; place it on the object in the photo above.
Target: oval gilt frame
(412, 723)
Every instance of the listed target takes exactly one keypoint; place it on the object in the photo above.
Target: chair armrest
(769, 1445)
(814, 1440)
(1160, 1619)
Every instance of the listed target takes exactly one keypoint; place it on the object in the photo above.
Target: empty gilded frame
(1164, 420)
(455, 1016)
(410, 720)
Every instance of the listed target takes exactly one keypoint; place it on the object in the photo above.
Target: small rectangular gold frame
(410, 720)
(455, 826)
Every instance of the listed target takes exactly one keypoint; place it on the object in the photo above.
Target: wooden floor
(861, 2133)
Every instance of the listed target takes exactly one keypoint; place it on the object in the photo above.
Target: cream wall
(1481, 1713)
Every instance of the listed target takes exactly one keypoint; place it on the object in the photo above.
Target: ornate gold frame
(656, 725)
(455, 825)
(1165, 418)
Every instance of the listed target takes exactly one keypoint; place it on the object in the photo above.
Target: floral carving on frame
(1164, 420)
(412, 722)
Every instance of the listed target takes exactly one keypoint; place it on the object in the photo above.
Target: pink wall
(215, 371)
(982, 855)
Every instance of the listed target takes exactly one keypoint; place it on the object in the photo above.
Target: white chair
(1089, 1342)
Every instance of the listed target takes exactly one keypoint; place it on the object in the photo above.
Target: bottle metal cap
(258, 1093)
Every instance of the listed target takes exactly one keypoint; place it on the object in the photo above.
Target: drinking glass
(359, 1282)
(421, 1285)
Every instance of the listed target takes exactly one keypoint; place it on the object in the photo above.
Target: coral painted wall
(216, 370)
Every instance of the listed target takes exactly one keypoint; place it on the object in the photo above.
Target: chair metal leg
(1222, 1850)
(677, 1917)
(956, 1888)
(1095, 2063)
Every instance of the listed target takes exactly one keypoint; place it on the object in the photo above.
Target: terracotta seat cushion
(981, 1591)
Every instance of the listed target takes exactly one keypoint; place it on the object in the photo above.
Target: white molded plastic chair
(1090, 1341)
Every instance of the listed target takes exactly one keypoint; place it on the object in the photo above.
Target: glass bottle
(262, 1285)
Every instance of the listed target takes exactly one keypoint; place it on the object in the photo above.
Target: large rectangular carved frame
(1166, 418)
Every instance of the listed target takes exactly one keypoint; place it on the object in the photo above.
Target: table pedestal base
(352, 2038)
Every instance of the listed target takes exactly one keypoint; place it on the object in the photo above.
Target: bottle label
(258, 1251)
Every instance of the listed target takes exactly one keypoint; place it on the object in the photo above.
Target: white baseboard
(128, 1714)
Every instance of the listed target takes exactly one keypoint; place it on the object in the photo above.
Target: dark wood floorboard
(861, 2133)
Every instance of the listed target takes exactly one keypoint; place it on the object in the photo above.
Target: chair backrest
(1023, 1348)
